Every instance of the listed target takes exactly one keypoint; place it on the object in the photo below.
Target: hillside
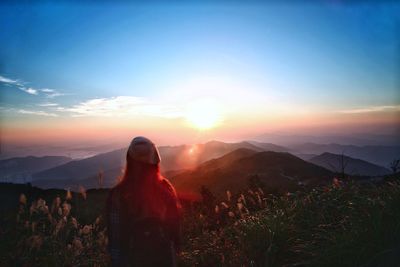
(352, 166)
(226, 160)
(20, 169)
(323, 227)
(280, 172)
(190, 156)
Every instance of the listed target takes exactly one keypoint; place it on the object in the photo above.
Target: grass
(344, 224)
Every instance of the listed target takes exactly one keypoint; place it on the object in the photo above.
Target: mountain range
(20, 169)
(177, 161)
(351, 166)
(379, 155)
(359, 139)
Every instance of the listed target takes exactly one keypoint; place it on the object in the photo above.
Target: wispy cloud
(54, 94)
(47, 90)
(21, 85)
(117, 106)
(29, 90)
(121, 106)
(18, 84)
(47, 104)
(371, 109)
(51, 93)
(8, 80)
(113, 106)
(37, 112)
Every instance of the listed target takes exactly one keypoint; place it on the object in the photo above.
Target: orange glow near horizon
(233, 126)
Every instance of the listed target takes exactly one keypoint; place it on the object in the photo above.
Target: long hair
(145, 191)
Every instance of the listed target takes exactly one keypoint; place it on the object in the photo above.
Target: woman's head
(143, 150)
(141, 180)
(142, 161)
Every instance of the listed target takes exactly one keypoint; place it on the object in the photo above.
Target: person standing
(143, 212)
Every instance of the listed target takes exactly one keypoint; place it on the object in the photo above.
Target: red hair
(145, 191)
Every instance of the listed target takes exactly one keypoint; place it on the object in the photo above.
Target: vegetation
(343, 224)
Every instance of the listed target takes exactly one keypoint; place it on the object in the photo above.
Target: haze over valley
(215, 164)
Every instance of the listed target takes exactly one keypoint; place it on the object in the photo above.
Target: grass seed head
(22, 199)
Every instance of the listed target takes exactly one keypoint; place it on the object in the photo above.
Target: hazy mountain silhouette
(109, 179)
(352, 166)
(305, 157)
(184, 159)
(280, 172)
(288, 139)
(20, 169)
(380, 155)
(270, 147)
(78, 170)
(174, 160)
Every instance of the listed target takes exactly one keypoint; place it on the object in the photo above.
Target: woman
(143, 212)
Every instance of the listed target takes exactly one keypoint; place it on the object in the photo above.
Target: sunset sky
(193, 72)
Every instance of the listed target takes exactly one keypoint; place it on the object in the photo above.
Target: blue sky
(328, 57)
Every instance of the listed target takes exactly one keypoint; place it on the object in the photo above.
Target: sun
(203, 114)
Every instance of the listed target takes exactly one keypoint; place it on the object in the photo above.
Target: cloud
(55, 94)
(8, 80)
(37, 112)
(29, 90)
(117, 106)
(47, 105)
(371, 109)
(47, 90)
(121, 106)
(49, 93)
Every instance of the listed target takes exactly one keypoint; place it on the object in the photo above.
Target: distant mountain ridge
(20, 169)
(380, 155)
(334, 162)
(270, 146)
(174, 158)
(177, 160)
(78, 170)
(289, 139)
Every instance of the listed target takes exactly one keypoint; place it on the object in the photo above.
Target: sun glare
(203, 114)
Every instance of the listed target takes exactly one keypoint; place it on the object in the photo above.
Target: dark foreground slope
(280, 172)
(342, 224)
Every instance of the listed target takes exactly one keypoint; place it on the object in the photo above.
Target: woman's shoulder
(171, 198)
(168, 187)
